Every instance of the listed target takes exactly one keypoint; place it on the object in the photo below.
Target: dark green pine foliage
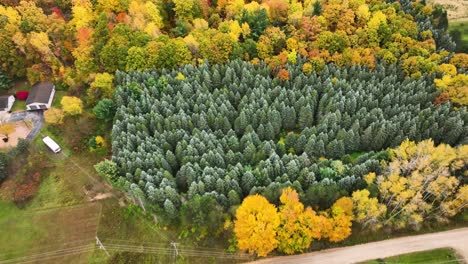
(219, 129)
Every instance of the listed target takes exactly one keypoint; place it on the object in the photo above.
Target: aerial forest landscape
(233, 131)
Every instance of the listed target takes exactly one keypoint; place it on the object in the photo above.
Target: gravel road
(456, 239)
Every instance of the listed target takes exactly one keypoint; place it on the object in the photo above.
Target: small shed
(40, 96)
(6, 103)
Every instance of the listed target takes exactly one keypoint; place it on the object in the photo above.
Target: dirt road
(456, 239)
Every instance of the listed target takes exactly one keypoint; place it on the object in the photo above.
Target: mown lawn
(443, 255)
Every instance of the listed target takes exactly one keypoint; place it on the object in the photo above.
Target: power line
(169, 251)
(52, 254)
(56, 245)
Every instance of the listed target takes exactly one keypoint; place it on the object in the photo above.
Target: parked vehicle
(52, 144)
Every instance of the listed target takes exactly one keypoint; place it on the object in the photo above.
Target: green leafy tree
(203, 216)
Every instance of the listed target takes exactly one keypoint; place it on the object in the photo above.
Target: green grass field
(18, 231)
(459, 32)
(461, 26)
(443, 255)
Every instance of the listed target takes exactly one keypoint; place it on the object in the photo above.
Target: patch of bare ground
(22, 130)
(457, 10)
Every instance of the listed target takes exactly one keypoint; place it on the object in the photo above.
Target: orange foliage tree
(283, 74)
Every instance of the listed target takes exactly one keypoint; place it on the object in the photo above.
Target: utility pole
(176, 251)
(141, 203)
(101, 246)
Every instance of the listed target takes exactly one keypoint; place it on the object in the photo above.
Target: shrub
(3, 166)
(28, 188)
(107, 169)
(21, 147)
(22, 95)
(5, 81)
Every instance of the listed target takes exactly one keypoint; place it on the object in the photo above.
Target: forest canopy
(231, 130)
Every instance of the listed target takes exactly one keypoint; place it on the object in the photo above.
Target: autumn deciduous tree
(256, 224)
(298, 226)
(283, 74)
(455, 87)
(460, 60)
(71, 105)
(54, 116)
(217, 49)
(101, 87)
(332, 41)
(341, 219)
(368, 211)
(419, 183)
(6, 129)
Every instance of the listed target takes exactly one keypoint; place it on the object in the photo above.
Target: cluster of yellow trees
(454, 85)
(260, 227)
(70, 106)
(416, 186)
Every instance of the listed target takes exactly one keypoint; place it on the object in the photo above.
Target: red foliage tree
(58, 12)
(121, 17)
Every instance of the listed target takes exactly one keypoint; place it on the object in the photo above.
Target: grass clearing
(29, 232)
(53, 193)
(443, 255)
(461, 26)
(18, 231)
(19, 106)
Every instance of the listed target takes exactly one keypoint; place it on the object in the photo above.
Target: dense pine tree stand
(227, 131)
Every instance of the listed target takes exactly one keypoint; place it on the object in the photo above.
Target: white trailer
(52, 144)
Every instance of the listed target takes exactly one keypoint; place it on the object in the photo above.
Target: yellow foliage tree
(342, 217)
(145, 16)
(6, 129)
(83, 15)
(115, 6)
(428, 190)
(71, 105)
(368, 211)
(447, 69)
(298, 226)
(53, 116)
(256, 225)
(460, 60)
(456, 88)
(101, 87)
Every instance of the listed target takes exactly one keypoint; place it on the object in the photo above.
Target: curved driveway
(36, 117)
(456, 239)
